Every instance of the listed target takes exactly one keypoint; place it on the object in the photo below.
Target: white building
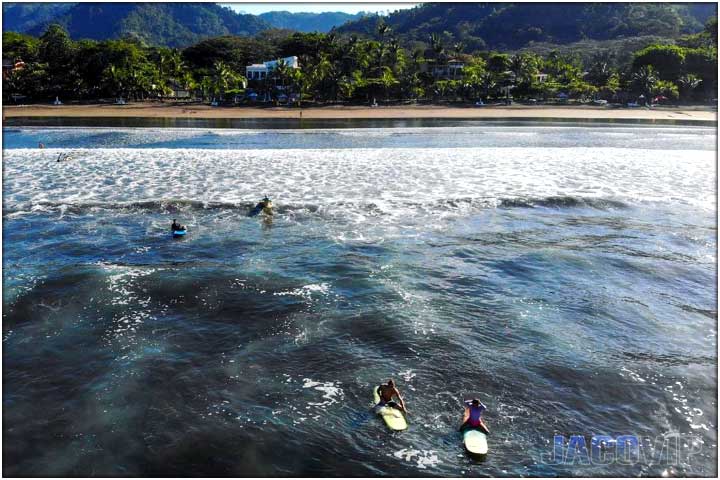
(260, 71)
(453, 69)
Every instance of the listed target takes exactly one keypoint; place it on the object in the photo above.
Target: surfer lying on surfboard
(387, 392)
(472, 417)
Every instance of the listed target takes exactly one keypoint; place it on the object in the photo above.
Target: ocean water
(564, 274)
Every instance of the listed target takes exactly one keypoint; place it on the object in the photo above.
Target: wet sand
(166, 110)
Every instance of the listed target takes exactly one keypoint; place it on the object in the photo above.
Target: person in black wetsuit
(176, 226)
(265, 205)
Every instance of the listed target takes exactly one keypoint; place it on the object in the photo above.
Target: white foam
(421, 458)
(346, 181)
(331, 393)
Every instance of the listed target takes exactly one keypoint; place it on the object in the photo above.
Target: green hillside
(509, 26)
(23, 17)
(166, 24)
(308, 22)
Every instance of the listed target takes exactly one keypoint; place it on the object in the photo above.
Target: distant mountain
(466, 27)
(308, 22)
(168, 24)
(22, 17)
(507, 26)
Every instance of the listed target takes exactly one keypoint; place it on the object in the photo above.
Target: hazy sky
(349, 7)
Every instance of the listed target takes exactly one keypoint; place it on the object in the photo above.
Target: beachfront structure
(178, 90)
(452, 70)
(261, 71)
(10, 66)
(541, 77)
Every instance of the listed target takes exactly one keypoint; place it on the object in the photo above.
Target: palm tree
(395, 56)
(188, 81)
(600, 70)
(416, 55)
(436, 45)
(645, 79)
(387, 80)
(458, 48)
(383, 29)
(281, 71)
(487, 80)
(523, 67)
(281, 74)
(324, 76)
(176, 64)
(207, 86)
(688, 83)
(223, 77)
(115, 78)
(473, 77)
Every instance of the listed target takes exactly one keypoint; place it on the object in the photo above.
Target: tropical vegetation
(347, 68)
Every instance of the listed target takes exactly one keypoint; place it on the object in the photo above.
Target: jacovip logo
(668, 449)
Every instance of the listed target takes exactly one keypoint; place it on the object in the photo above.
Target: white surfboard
(475, 441)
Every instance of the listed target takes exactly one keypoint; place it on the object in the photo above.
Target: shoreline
(524, 112)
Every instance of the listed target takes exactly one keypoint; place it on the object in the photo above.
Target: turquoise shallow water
(566, 274)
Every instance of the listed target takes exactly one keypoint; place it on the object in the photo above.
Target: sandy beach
(158, 110)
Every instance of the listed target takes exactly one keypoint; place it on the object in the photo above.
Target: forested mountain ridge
(23, 17)
(308, 22)
(478, 26)
(163, 24)
(509, 26)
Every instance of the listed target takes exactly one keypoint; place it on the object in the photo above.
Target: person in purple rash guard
(472, 417)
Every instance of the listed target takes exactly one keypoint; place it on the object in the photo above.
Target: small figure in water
(472, 418)
(176, 226)
(387, 392)
(41, 145)
(264, 206)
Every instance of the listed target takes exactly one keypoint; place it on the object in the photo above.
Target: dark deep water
(565, 274)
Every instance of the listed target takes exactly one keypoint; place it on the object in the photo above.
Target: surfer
(386, 393)
(176, 226)
(472, 417)
(264, 206)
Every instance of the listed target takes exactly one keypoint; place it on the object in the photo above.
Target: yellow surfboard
(393, 417)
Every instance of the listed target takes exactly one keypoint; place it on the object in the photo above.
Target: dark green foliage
(619, 51)
(236, 52)
(19, 46)
(666, 59)
(707, 38)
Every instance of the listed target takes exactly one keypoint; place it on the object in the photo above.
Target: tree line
(336, 68)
